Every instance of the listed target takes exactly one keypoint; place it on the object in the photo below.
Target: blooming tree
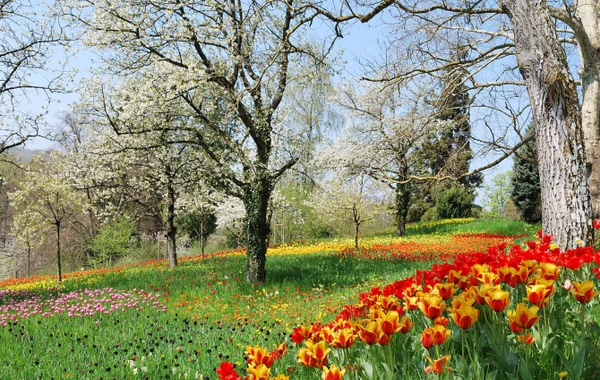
(224, 65)
(348, 198)
(46, 193)
(388, 124)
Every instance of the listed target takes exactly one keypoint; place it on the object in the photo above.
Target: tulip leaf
(525, 374)
(580, 357)
(565, 361)
(368, 367)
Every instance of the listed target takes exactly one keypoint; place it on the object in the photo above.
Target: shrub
(113, 240)
(455, 202)
(430, 214)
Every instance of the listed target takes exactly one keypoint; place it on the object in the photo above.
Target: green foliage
(526, 192)
(113, 240)
(496, 196)
(430, 214)
(455, 202)
(196, 225)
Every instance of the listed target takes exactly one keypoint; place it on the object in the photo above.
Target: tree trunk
(58, 252)
(588, 12)
(202, 242)
(356, 220)
(171, 229)
(256, 201)
(402, 203)
(566, 203)
(28, 260)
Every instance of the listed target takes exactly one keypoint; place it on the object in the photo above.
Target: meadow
(324, 305)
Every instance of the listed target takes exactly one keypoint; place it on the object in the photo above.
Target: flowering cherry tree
(223, 65)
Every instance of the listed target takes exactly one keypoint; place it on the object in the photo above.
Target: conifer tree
(526, 192)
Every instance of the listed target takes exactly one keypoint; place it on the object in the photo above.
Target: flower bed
(519, 312)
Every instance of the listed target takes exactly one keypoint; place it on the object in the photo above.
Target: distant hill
(25, 155)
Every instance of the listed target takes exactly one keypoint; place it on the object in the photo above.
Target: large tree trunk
(588, 12)
(566, 203)
(171, 229)
(58, 252)
(256, 201)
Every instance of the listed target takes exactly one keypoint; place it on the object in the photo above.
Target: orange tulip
(258, 356)
(463, 298)
(538, 294)
(333, 373)
(549, 271)
(438, 366)
(411, 303)
(405, 325)
(314, 355)
(527, 339)
(584, 292)
(412, 290)
(388, 303)
(389, 322)
(454, 276)
(258, 373)
(479, 293)
(372, 334)
(441, 321)
(520, 275)
(343, 338)
(445, 290)
(522, 317)
(465, 316)
(487, 278)
(431, 305)
(497, 299)
(478, 269)
(504, 274)
(435, 335)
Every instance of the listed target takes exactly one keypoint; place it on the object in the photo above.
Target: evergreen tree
(526, 192)
(449, 152)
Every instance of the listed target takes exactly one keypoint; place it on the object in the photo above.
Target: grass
(211, 313)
